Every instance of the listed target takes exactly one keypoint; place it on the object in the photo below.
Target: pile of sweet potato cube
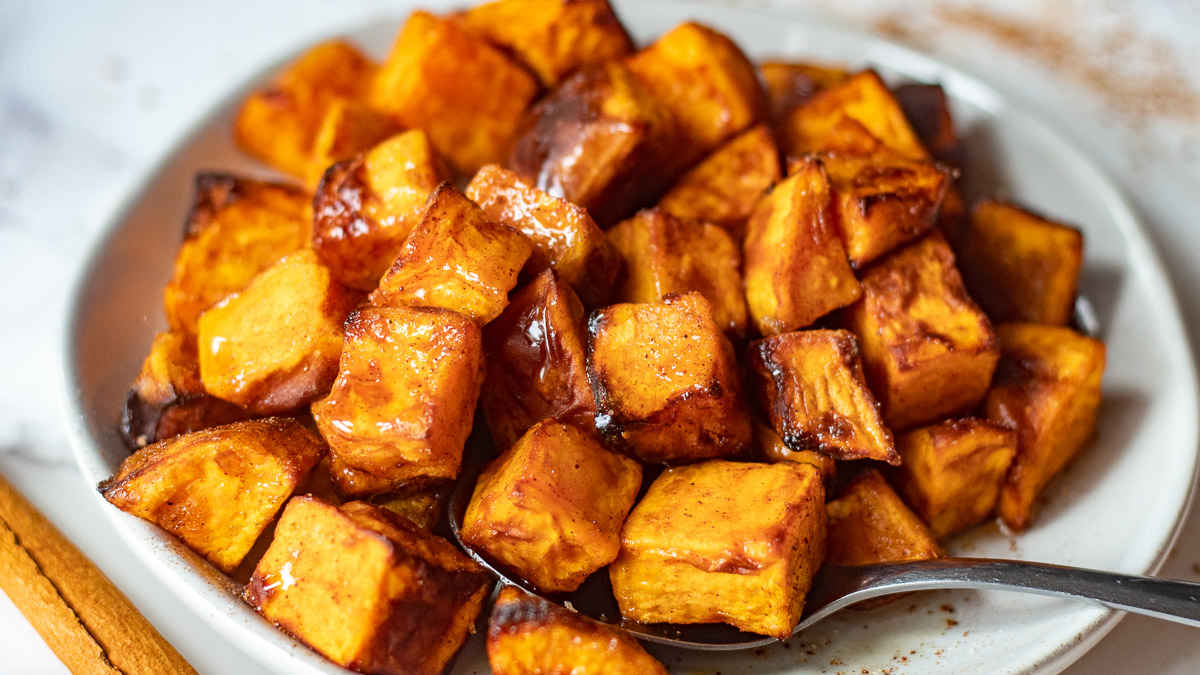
(726, 323)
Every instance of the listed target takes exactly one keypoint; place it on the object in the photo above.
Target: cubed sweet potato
(466, 94)
(788, 84)
(368, 589)
(666, 383)
(401, 407)
(275, 345)
(550, 508)
(664, 254)
(811, 384)
(421, 504)
(928, 112)
(869, 523)
(236, 228)
(723, 542)
(796, 267)
(928, 350)
(456, 258)
(1047, 387)
(771, 448)
(348, 128)
(217, 489)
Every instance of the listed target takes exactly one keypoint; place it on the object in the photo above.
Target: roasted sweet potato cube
(168, 398)
(706, 82)
(348, 128)
(771, 448)
(236, 229)
(666, 383)
(951, 472)
(864, 98)
(1047, 387)
(366, 206)
(724, 188)
(928, 351)
(537, 362)
(882, 202)
(789, 84)
(423, 504)
(553, 38)
(278, 125)
(368, 589)
(550, 508)
(928, 111)
(405, 394)
(811, 384)
(1020, 266)
(723, 542)
(869, 523)
(217, 489)
(564, 236)
(600, 141)
(466, 94)
(664, 254)
(275, 345)
(796, 267)
(529, 635)
(456, 258)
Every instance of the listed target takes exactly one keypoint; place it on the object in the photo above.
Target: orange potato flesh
(348, 128)
(869, 523)
(772, 449)
(787, 85)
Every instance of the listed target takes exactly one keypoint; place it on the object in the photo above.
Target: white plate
(1117, 508)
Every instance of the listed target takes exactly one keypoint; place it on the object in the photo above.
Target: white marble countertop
(94, 94)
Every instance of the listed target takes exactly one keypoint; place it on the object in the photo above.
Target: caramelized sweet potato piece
(366, 207)
(1047, 387)
(456, 258)
(723, 542)
(869, 523)
(928, 351)
(666, 384)
(405, 394)
(529, 635)
(928, 111)
(811, 383)
(368, 589)
(423, 505)
(466, 94)
(275, 345)
(1019, 266)
(790, 84)
(951, 472)
(536, 360)
(217, 489)
(772, 449)
(348, 128)
(796, 267)
(664, 254)
(550, 508)
(564, 236)
(236, 229)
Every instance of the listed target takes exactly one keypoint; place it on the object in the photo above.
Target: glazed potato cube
(348, 128)
(664, 254)
(723, 542)
(869, 524)
(279, 124)
(236, 229)
(789, 84)
(772, 449)
(168, 398)
(863, 97)
(724, 188)
(217, 489)
(422, 505)
(275, 345)
(1047, 387)
(811, 384)
(706, 82)
(881, 203)
(550, 508)
(951, 472)
(368, 589)
(455, 258)
(796, 267)
(928, 351)
(401, 407)
(529, 635)
(537, 362)
(466, 94)
(366, 206)
(553, 38)
(564, 236)
(1019, 266)
(666, 383)
(928, 111)
(600, 141)
(849, 137)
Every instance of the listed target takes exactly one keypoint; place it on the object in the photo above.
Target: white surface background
(93, 94)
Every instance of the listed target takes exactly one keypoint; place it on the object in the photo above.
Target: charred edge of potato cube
(772, 449)
(928, 111)
(869, 523)
(421, 502)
